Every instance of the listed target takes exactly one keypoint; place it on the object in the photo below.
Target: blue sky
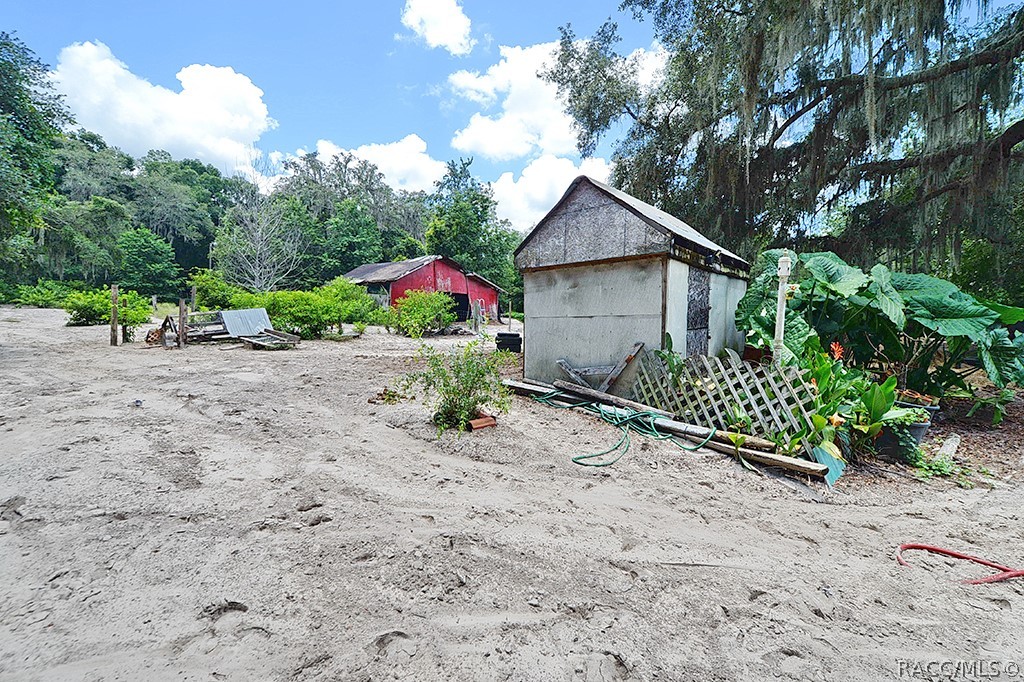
(408, 84)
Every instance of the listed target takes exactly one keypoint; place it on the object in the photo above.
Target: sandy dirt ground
(256, 518)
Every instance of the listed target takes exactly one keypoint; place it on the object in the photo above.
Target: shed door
(698, 311)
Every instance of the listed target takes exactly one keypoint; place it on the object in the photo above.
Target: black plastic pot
(887, 445)
(510, 341)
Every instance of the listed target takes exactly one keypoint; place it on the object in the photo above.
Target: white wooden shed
(603, 270)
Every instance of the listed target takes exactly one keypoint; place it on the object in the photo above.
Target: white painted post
(780, 312)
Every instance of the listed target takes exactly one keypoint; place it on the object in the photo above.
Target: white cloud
(525, 201)
(217, 116)
(441, 23)
(532, 119)
(405, 163)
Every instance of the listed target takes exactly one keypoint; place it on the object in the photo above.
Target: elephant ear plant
(891, 323)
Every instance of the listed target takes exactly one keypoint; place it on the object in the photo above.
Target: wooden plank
(113, 314)
(617, 370)
(791, 463)
(601, 397)
(571, 372)
(182, 326)
(595, 371)
(683, 429)
(522, 388)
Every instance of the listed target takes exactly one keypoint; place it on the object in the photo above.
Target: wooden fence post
(192, 307)
(182, 316)
(113, 314)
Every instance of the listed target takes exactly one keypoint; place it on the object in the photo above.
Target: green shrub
(47, 293)
(353, 303)
(419, 313)
(86, 308)
(8, 292)
(212, 291)
(305, 313)
(517, 316)
(460, 382)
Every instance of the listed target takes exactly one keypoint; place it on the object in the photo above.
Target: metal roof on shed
(655, 217)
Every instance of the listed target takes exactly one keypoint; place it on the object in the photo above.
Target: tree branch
(994, 150)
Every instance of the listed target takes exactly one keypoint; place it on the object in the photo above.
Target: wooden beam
(571, 372)
(802, 466)
(698, 434)
(595, 371)
(182, 328)
(113, 314)
(523, 388)
(601, 397)
(701, 432)
(617, 370)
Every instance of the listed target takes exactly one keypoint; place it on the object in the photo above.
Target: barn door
(698, 311)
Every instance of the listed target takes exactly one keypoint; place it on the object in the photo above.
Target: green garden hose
(639, 422)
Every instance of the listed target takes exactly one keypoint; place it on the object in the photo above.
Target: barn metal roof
(383, 273)
(655, 217)
(380, 273)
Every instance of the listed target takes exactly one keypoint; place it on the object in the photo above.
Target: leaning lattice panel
(715, 392)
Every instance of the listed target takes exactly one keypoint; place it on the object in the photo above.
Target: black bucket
(510, 341)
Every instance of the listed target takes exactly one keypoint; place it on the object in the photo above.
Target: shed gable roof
(661, 221)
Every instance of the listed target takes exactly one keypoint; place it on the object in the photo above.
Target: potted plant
(908, 398)
(902, 431)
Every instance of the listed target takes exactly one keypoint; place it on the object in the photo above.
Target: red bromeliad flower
(837, 351)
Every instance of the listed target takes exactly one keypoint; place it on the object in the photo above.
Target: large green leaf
(878, 400)
(760, 298)
(1008, 314)
(833, 273)
(794, 337)
(887, 299)
(918, 285)
(768, 262)
(1002, 358)
(956, 314)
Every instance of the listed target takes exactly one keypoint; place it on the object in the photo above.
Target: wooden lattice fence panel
(777, 400)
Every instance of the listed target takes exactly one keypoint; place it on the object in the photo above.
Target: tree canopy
(766, 113)
(31, 117)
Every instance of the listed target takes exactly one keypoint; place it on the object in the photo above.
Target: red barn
(388, 282)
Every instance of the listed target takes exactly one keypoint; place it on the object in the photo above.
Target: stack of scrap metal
(251, 326)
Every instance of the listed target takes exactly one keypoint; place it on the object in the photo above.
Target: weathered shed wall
(590, 226)
(700, 310)
(591, 315)
(726, 293)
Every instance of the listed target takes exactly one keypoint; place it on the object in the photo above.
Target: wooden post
(113, 314)
(182, 316)
(152, 303)
(192, 307)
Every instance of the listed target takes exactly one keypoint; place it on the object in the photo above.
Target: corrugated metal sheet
(249, 322)
(379, 273)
